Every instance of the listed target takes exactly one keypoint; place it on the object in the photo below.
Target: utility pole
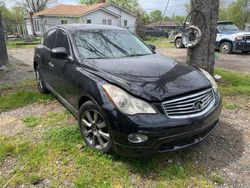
(3, 49)
(203, 55)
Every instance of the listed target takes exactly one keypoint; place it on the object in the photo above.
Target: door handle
(51, 64)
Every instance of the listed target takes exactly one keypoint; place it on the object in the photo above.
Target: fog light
(137, 138)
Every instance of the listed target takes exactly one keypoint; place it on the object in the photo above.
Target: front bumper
(164, 134)
(241, 46)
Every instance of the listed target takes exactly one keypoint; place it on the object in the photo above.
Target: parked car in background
(126, 97)
(156, 32)
(229, 39)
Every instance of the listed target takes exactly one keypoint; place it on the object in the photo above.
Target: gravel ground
(237, 61)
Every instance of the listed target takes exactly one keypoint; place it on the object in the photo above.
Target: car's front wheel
(40, 83)
(178, 43)
(94, 128)
(226, 48)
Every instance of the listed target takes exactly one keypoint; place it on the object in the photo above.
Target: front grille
(247, 37)
(190, 105)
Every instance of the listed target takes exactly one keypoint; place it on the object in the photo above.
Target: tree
(33, 5)
(155, 16)
(202, 56)
(88, 2)
(238, 12)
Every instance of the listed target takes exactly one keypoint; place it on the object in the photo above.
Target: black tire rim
(95, 129)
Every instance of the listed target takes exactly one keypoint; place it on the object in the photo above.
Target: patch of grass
(31, 121)
(5, 87)
(217, 179)
(67, 134)
(22, 98)
(160, 42)
(22, 44)
(6, 148)
(230, 106)
(233, 83)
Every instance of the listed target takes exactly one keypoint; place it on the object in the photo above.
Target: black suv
(127, 98)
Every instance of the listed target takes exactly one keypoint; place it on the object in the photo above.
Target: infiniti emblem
(198, 105)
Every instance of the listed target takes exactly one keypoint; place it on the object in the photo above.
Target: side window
(49, 39)
(62, 40)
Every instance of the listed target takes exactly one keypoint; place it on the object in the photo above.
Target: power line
(164, 12)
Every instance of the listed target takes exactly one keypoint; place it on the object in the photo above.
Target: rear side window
(62, 40)
(49, 39)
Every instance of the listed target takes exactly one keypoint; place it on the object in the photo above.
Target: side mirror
(59, 52)
(152, 47)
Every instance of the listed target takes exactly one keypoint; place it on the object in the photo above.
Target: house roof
(169, 23)
(73, 10)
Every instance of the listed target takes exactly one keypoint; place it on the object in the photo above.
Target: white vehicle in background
(229, 39)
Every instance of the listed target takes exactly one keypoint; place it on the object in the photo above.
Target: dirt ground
(226, 152)
(236, 62)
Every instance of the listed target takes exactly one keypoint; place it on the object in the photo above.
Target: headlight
(238, 38)
(211, 79)
(126, 103)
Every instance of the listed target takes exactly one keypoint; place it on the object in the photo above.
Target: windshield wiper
(137, 55)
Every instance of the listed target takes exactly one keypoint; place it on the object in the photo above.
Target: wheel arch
(225, 40)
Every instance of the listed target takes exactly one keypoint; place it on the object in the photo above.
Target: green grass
(160, 42)
(62, 159)
(13, 96)
(233, 83)
(22, 44)
(22, 98)
(5, 87)
(31, 121)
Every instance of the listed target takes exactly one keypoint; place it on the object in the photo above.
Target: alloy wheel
(225, 49)
(95, 130)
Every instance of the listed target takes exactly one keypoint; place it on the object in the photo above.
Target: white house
(100, 13)
(247, 27)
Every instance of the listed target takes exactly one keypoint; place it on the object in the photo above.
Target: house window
(125, 23)
(88, 21)
(64, 21)
(104, 21)
(36, 25)
(109, 22)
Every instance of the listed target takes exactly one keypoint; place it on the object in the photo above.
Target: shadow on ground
(223, 147)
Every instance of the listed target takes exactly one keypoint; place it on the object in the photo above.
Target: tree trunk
(203, 55)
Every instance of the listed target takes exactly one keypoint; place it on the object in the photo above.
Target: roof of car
(88, 27)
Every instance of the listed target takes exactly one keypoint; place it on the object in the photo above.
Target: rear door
(45, 66)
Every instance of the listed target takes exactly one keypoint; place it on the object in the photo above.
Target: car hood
(237, 33)
(152, 77)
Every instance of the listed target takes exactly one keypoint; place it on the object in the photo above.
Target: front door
(45, 66)
(62, 66)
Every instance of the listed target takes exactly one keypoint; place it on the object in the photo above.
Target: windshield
(101, 44)
(228, 27)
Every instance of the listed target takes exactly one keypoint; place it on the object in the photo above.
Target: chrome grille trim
(184, 107)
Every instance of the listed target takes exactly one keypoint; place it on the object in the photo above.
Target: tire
(178, 43)
(40, 83)
(226, 48)
(94, 128)
(245, 52)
